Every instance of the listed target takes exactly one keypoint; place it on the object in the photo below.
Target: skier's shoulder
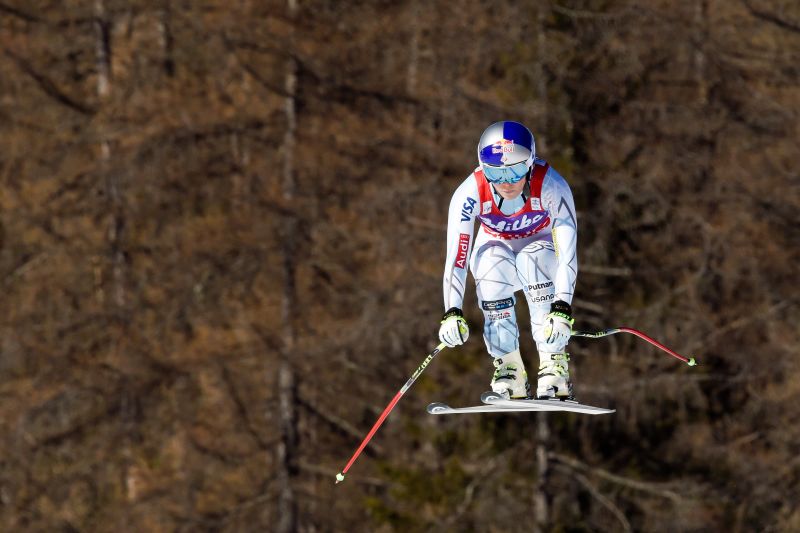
(464, 199)
(468, 187)
(552, 178)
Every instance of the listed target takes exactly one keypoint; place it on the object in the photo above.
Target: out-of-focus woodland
(222, 244)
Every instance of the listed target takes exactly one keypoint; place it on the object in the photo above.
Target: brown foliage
(150, 224)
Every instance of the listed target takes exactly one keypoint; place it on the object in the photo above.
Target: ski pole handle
(385, 413)
(602, 333)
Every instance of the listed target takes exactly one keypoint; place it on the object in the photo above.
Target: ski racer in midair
(527, 240)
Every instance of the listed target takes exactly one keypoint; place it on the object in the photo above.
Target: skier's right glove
(454, 329)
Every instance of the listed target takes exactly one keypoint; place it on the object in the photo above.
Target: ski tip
(339, 478)
(489, 397)
(436, 408)
(691, 362)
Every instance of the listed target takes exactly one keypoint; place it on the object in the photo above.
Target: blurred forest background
(222, 242)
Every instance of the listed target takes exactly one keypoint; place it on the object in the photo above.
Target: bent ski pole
(596, 334)
(385, 413)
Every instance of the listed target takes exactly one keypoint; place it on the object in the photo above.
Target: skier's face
(509, 191)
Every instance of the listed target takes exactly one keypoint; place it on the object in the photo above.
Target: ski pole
(385, 413)
(602, 333)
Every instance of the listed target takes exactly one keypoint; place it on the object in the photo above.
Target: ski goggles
(505, 174)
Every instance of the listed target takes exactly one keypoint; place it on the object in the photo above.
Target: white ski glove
(454, 329)
(558, 323)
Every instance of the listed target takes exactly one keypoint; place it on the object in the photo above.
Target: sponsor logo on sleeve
(467, 209)
(463, 248)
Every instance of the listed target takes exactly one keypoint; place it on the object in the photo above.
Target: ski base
(494, 403)
(494, 399)
(439, 408)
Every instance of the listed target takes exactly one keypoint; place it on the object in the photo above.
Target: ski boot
(553, 379)
(510, 380)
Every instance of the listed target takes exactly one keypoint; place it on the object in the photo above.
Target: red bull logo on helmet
(503, 146)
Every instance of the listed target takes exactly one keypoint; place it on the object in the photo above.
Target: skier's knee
(541, 293)
(500, 330)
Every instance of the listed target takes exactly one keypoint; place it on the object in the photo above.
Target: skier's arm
(460, 228)
(557, 197)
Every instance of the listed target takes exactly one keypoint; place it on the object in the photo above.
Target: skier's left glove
(454, 329)
(558, 323)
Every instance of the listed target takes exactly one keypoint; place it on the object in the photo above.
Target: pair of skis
(494, 403)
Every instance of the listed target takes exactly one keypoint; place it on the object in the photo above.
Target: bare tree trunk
(700, 60)
(540, 497)
(287, 506)
(102, 49)
(541, 510)
(240, 153)
(117, 302)
(413, 51)
(700, 74)
(541, 82)
(166, 39)
(103, 62)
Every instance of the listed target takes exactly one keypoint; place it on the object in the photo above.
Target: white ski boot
(554, 382)
(510, 379)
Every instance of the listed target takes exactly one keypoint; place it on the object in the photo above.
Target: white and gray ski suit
(529, 243)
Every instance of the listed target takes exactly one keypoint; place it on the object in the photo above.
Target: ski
(439, 408)
(494, 399)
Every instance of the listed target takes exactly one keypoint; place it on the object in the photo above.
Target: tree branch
(13, 11)
(241, 406)
(761, 314)
(599, 270)
(650, 488)
(586, 14)
(469, 492)
(48, 86)
(771, 18)
(336, 422)
(605, 502)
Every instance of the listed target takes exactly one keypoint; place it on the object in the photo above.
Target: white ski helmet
(506, 152)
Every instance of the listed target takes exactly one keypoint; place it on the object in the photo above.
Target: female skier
(527, 240)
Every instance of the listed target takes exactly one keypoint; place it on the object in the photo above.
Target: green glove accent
(452, 312)
(561, 309)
